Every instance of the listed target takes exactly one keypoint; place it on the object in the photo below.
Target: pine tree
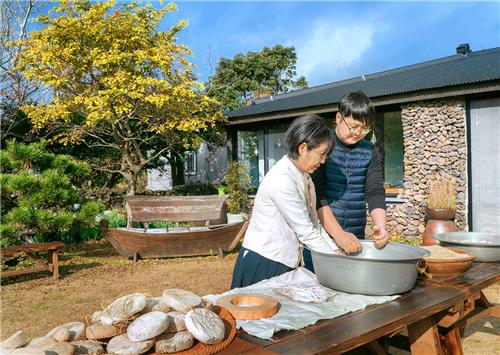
(42, 194)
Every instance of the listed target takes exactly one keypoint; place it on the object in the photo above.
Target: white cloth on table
(296, 315)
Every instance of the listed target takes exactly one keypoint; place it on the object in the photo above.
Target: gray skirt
(252, 267)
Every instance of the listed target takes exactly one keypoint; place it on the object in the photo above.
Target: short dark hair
(359, 106)
(310, 129)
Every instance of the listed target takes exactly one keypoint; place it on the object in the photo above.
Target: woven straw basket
(208, 349)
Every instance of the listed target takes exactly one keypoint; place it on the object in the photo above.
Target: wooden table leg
(479, 309)
(424, 337)
(452, 342)
(375, 348)
(55, 264)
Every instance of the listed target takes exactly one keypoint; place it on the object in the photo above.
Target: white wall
(160, 179)
(210, 168)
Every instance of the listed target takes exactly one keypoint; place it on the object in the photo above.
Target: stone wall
(434, 141)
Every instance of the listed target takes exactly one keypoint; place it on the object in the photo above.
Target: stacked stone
(434, 141)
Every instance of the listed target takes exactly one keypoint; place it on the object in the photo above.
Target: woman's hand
(348, 242)
(380, 237)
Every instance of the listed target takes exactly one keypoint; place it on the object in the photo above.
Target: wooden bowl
(450, 266)
(249, 305)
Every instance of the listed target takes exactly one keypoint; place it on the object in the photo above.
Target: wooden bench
(206, 234)
(209, 209)
(32, 251)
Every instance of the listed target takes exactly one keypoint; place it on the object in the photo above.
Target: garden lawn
(93, 275)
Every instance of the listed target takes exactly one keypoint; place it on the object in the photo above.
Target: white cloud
(331, 47)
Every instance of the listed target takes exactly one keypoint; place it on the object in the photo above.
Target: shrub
(237, 182)
(115, 218)
(42, 195)
(194, 189)
(442, 194)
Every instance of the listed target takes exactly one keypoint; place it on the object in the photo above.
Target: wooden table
(472, 282)
(33, 250)
(433, 313)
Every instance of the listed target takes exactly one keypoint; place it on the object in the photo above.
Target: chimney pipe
(463, 49)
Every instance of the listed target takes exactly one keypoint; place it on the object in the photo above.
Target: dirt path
(93, 275)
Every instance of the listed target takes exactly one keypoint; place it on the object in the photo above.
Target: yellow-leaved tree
(115, 82)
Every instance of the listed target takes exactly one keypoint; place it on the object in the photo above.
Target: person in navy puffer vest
(351, 178)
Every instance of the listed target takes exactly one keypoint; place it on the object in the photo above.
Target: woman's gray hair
(310, 129)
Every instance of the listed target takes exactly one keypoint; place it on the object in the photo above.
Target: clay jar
(440, 221)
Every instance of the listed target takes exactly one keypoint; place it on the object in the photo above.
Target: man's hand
(380, 237)
(348, 242)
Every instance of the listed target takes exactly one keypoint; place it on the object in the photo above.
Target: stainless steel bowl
(387, 271)
(485, 246)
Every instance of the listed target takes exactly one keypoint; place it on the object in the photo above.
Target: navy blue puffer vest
(345, 186)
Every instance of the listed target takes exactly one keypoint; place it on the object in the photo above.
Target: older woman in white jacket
(284, 215)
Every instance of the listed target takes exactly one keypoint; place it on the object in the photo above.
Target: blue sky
(336, 40)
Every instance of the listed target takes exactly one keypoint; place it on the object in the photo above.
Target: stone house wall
(435, 140)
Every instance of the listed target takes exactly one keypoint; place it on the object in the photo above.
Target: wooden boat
(195, 240)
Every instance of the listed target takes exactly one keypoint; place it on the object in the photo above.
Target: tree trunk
(131, 185)
(131, 178)
(177, 165)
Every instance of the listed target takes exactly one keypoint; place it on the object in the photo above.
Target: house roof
(459, 69)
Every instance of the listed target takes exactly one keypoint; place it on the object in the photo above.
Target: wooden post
(55, 264)
(374, 347)
(453, 342)
(424, 337)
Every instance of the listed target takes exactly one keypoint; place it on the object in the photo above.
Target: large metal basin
(387, 271)
(485, 246)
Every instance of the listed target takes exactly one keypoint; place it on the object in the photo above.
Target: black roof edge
(366, 77)
(381, 100)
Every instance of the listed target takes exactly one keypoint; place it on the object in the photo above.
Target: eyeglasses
(322, 157)
(356, 130)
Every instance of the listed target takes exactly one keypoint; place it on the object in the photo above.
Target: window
(275, 144)
(190, 163)
(484, 204)
(260, 150)
(250, 151)
(389, 138)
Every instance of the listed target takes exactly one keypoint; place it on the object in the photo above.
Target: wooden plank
(449, 317)
(394, 190)
(493, 311)
(29, 248)
(39, 261)
(352, 330)
(483, 301)
(424, 337)
(176, 208)
(238, 237)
